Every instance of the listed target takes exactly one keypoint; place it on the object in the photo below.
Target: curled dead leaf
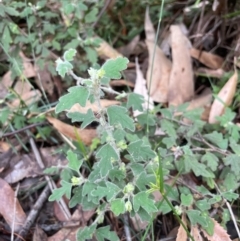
(10, 207)
(141, 89)
(148, 26)
(224, 98)
(216, 73)
(210, 60)
(105, 50)
(181, 84)
(86, 135)
(158, 80)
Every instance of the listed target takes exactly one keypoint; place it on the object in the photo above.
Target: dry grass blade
(181, 85)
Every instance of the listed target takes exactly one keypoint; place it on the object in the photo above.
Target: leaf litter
(172, 83)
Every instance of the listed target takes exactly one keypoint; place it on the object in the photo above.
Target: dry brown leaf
(89, 105)
(121, 82)
(196, 233)
(216, 73)
(160, 74)
(202, 100)
(22, 86)
(86, 135)
(224, 98)
(208, 59)
(219, 233)
(39, 234)
(106, 51)
(141, 89)
(4, 146)
(181, 84)
(44, 80)
(70, 233)
(10, 207)
(182, 234)
(128, 49)
(29, 98)
(148, 26)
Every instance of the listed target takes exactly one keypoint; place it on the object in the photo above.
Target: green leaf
(203, 205)
(110, 191)
(82, 7)
(68, 8)
(195, 217)
(136, 168)
(117, 115)
(210, 225)
(186, 200)
(86, 233)
(73, 163)
(107, 154)
(69, 54)
(230, 196)
(217, 139)
(164, 208)
(11, 11)
(234, 161)
(105, 233)
(142, 199)
(72, 44)
(63, 67)
(230, 182)
(139, 151)
(91, 16)
(57, 194)
(86, 119)
(51, 170)
(76, 198)
(146, 119)
(88, 187)
(234, 146)
(135, 101)
(77, 94)
(112, 67)
(118, 206)
(211, 159)
(91, 54)
(168, 127)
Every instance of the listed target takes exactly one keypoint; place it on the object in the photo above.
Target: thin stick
(49, 180)
(33, 214)
(14, 212)
(126, 228)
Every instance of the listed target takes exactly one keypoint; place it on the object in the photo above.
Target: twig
(126, 228)
(23, 129)
(101, 13)
(33, 214)
(49, 180)
(14, 212)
